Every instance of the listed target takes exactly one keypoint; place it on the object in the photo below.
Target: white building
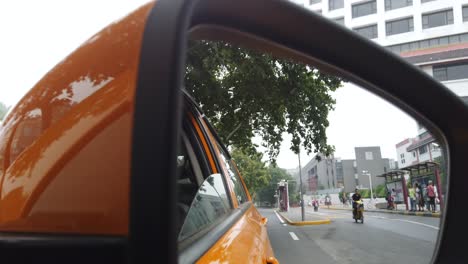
(416, 150)
(431, 34)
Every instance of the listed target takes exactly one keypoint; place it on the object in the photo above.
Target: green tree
(246, 93)
(266, 194)
(252, 169)
(3, 110)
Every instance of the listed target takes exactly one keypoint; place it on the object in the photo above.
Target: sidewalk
(294, 217)
(401, 210)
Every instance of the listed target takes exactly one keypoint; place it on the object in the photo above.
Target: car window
(208, 208)
(233, 177)
(202, 199)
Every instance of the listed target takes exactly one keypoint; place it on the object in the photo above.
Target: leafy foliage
(3, 110)
(252, 169)
(246, 93)
(266, 194)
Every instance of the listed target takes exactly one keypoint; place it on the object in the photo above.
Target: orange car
(106, 161)
(68, 167)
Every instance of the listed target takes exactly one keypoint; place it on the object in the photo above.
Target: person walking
(412, 196)
(419, 197)
(432, 196)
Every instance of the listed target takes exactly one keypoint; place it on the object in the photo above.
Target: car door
(243, 238)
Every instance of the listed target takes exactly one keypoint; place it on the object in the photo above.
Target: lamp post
(364, 172)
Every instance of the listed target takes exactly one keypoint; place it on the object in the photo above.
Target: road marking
(417, 223)
(403, 220)
(407, 221)
(293, 236)
(279, 217)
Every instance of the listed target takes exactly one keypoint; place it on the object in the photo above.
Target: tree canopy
(266, 194)
(252, 168)
(3, 110)
(246, 93)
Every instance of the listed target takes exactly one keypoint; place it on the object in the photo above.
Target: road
(383, 238)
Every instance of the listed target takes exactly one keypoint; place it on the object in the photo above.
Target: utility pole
(300, 185)
(370, 183)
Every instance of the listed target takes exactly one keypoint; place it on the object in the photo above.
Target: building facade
(369, 159)
(418, 149)
(319, 173)
(329, 173)
(431, 34)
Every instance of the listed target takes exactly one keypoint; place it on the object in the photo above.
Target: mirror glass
(309, 144)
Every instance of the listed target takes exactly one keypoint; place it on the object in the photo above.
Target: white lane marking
(403, 220)
(293, 236)
(417, 223)
(279, 217)
(285, 224)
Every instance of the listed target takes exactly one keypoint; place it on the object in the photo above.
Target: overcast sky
(36, 35)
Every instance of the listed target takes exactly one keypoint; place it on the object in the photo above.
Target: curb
(303, 223)
(394, 212)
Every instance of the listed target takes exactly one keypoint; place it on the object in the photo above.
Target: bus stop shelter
(424, 172)
(395, 179)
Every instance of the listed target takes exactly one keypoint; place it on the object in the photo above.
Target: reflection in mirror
(209, 205)
(311, 144)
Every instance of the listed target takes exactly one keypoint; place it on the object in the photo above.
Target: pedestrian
(432, 196)
(389, 201)
(419, 197)
(412, 196)
(394, 199)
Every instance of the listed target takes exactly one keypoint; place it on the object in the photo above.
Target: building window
(394, 4)
(422, 149)
(402, 155)
(400, 26)
(339, 20)
(369, 155)
(314, 1)
(429, 43)
(437, 19)
(414, 154)
(368, 31)
(403, 161)
(364, 9)
(451, 72)
(465, 13)
(335, 4)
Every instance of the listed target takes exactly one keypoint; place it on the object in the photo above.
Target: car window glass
(234, 178)
(208, 208)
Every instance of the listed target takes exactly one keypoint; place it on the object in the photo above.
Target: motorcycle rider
(356, 197)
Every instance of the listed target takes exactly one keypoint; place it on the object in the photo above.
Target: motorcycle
(358, 212)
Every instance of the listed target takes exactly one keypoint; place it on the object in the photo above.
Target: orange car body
(65, 149)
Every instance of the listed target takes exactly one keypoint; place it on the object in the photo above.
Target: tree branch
(233, 131)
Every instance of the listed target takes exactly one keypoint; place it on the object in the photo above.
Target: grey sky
(39, 34)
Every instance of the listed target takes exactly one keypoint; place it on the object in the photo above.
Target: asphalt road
(383, 238)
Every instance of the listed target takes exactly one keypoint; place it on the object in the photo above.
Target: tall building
(370, 159)
(320, 174)
(333, 173)
(349, 171)
(431, 34)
